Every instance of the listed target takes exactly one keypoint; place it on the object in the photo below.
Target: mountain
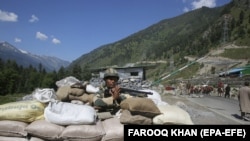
(178, 36)
(193, 34)
(25, 59)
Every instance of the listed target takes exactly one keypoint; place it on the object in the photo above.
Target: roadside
(207, 110)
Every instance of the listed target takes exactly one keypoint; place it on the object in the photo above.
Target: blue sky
(68, 29)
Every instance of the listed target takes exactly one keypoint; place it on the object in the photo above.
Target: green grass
(237, 53)
(10, 98)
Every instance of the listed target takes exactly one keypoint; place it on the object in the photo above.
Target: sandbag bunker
(44, 117)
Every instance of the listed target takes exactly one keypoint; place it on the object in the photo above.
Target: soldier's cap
(110, 72)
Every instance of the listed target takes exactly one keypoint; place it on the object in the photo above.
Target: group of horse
(187, 88)
(200, 89)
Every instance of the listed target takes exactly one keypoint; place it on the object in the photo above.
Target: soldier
(109, 96)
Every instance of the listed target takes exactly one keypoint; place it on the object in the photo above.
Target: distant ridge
(25, 59)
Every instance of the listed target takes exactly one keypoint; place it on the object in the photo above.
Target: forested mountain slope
(192, 34)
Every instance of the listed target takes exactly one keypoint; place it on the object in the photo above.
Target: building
(236, 72)
(125, 72)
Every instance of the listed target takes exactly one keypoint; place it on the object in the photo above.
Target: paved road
(228, 108)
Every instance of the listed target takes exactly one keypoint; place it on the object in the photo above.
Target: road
(226, 107)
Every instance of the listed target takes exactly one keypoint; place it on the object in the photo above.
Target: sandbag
(127, 118)
(91, 89)
(172, 114)
(85, 98)
(114, 130)
(44, 130)
(44, 95)
(3, 138)
(93, 132)
(26, 111)
(63, 113)
(63, 93)
(76, 91)
(140, 106)
(13, 128)
(156, 97)
(68, 81)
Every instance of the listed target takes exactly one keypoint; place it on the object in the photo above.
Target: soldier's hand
(115, 92)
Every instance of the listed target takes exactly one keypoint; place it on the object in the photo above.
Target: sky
(68, 29)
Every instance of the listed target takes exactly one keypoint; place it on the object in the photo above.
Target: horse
(220, 91)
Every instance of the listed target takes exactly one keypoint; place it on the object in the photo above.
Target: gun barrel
(124, 90)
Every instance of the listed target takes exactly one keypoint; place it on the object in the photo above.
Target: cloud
(185, 9)
(18, 40)
(33, 19)
(41, 36)
(199, 3)
(56, 41)
(8, 16)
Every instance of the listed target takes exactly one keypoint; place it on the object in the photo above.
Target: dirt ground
(198, 114)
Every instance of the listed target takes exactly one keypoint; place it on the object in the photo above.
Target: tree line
(16, 79)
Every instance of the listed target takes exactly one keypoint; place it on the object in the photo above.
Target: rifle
(134, 92)
(129, 91)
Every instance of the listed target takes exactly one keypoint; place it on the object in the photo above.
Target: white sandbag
(63, 113)
(68, 81)
(44, 95)
(91, 89)
(172, 114)
(156, 97)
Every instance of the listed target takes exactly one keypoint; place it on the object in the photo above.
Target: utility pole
(225, 29)
(171, 63)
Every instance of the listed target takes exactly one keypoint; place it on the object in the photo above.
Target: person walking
(227, 91)
(244, 101)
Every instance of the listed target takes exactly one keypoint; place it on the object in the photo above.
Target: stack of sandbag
(42, 130)
(52, 132)
(82, 92)
(152, 110)
(13, 130)
(16, 116)
(55, 121)
(49, 118)
(138, 110)
(170, 114)
(106, 130)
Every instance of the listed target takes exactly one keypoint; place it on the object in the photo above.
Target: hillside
(214, 59)
(153, 43)
(171, 43)
(211, 64)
